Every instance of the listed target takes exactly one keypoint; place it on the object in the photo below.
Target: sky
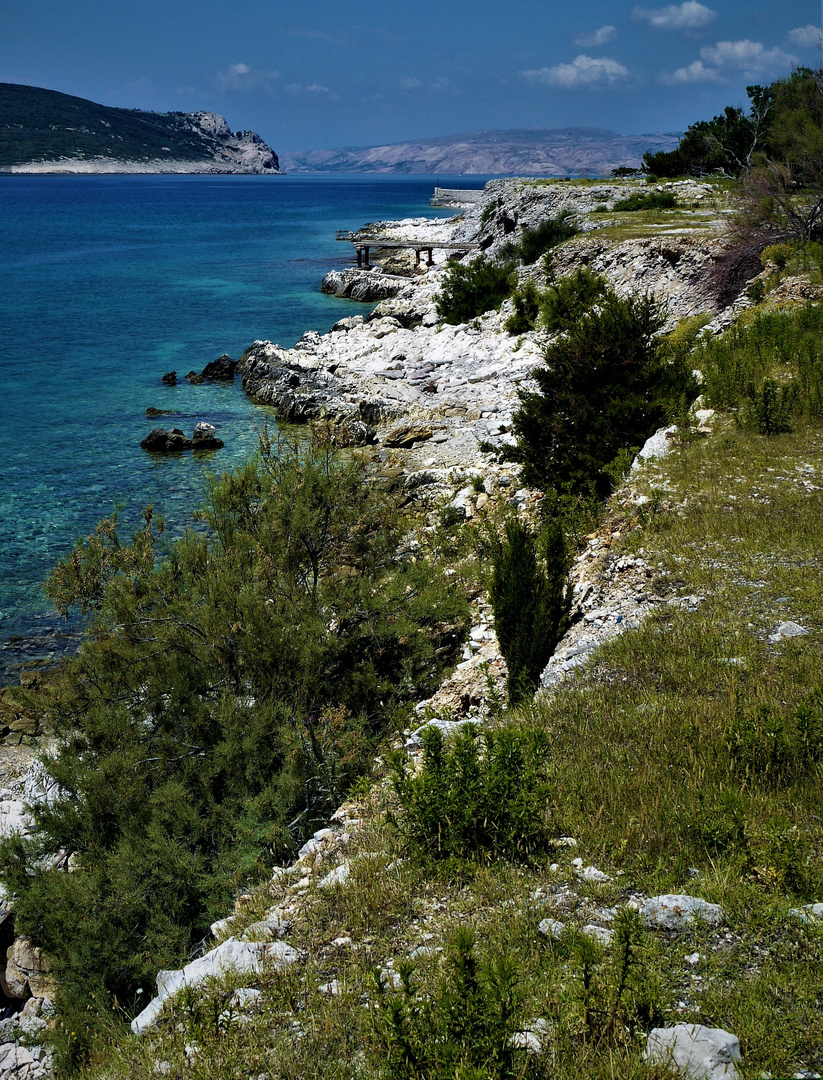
(317, 74)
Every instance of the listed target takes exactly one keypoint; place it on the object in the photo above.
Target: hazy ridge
(517, 152)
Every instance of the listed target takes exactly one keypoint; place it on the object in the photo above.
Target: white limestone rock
(809, 913)
(231, 955)
(446, 727)
(674, 912)
(694, 1051)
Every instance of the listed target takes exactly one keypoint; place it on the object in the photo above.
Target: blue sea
(108, 282)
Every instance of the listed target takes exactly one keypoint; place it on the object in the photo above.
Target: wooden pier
(364, 244)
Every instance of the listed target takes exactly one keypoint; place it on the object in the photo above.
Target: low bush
(774, 747)
(470, 289)
(464, 1029)
(769, 371)
(568, 298)
(536, 242)
(655, 200)
(607, 384)
(484, 795)
(527, 303)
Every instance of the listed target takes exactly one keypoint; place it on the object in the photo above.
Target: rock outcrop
(175, 440)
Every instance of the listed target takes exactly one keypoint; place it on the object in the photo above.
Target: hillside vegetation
(45, 125)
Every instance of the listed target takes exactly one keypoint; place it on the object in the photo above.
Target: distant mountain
(523, 152)
(46, 131)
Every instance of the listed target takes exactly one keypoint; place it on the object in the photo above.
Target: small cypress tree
(531, 598)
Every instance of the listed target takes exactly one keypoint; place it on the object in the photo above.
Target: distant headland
(44, 131)
(549, 152)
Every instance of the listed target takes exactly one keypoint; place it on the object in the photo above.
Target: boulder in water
(222, 368)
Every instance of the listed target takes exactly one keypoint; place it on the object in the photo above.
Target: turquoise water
(105, 284)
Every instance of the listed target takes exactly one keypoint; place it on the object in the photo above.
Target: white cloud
(313, 88)
(242, 77)
(690, 15)
(747, 55)
(696, 72)
(599, 37)
(582, 72)
(441, 83)
(750, 57)
(805, 37)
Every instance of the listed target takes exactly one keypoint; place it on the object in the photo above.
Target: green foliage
(768, 370)
(531, 598)
(778, 254)
(655, 200)
(40, 125)
(470, 289)
(526, 302)
(485, 795)
(464, 1030)
(536, 242)
(568, 298)
(607, 384)
(774, 746)
(722, 144)
(783, 124)
(232, 688)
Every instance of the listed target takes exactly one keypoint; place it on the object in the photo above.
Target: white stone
(698, 1052)
(673, 912)
(231, 955)
(551, 928)
(338, 876)
(787, 630)
(809, 913)
(331, 989)
(591, 873)
(656, 446)
(246, 997)
(600, 933)
(446, 728)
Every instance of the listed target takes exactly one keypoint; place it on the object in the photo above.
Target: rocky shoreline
(400, 365)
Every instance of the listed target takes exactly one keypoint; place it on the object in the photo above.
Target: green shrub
(473, 288)
(463, 1030)
(527, 302)
(531, 598)
(769, 370)
(607, 385)
(568, 298)
(536, 242)
(484, 795)
(232, 688)
(767, 746)
(778, 254)
(655, 200)
(770, 409)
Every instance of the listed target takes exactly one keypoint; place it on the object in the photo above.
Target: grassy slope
(42, 125)
(646, 783)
